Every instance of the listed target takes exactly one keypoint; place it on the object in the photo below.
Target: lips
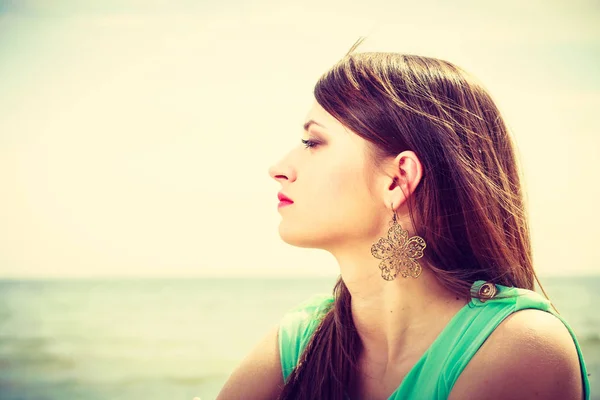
(283, 197)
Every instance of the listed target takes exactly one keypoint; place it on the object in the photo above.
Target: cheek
(346, 190)
(343, 180)
(352, 211)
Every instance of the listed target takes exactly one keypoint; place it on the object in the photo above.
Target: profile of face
(328, 182)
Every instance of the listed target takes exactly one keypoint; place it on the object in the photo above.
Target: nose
(280, 171)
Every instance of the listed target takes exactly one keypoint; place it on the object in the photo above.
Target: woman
(439, 302)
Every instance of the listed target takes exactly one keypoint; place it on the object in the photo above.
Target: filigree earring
(399, 252)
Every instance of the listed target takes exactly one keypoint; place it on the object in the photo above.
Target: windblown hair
(469, 205)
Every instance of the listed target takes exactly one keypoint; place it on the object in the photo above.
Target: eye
(308, 143)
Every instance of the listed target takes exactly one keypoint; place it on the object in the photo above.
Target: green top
(434, 375)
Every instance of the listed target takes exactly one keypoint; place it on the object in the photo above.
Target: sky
(136, 136)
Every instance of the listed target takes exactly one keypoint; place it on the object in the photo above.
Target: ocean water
(176, 339)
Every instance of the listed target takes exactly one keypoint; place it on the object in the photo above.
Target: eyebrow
(310, 122)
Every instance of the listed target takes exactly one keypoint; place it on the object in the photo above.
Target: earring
(399, 252)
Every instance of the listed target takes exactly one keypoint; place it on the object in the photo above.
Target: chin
(298, 237)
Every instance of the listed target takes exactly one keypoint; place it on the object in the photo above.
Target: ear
(406, 173)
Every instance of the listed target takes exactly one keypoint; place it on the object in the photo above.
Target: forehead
(323, 121)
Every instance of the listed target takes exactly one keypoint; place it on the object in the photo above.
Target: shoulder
(531, 354)
(274, 357)
(259, 375)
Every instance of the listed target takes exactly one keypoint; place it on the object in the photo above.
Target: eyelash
(308, 143)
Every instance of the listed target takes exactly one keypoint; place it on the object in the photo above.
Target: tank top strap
(465, 335)
(435, 374)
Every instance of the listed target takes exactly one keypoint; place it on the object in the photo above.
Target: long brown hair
(469, 206)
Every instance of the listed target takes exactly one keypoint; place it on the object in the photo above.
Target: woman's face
(328, 184)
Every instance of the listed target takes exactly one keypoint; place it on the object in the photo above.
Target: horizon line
(233, 277)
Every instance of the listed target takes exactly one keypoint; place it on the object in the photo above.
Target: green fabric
(296, 329)
(434, 375)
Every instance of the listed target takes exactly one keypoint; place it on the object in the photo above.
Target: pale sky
(136, 136)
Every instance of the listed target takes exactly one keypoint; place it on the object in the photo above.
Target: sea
(100, 339)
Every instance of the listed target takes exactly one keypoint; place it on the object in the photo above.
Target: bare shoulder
(259, 375)
(531, 354)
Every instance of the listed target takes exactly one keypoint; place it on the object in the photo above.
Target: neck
(394, 318)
